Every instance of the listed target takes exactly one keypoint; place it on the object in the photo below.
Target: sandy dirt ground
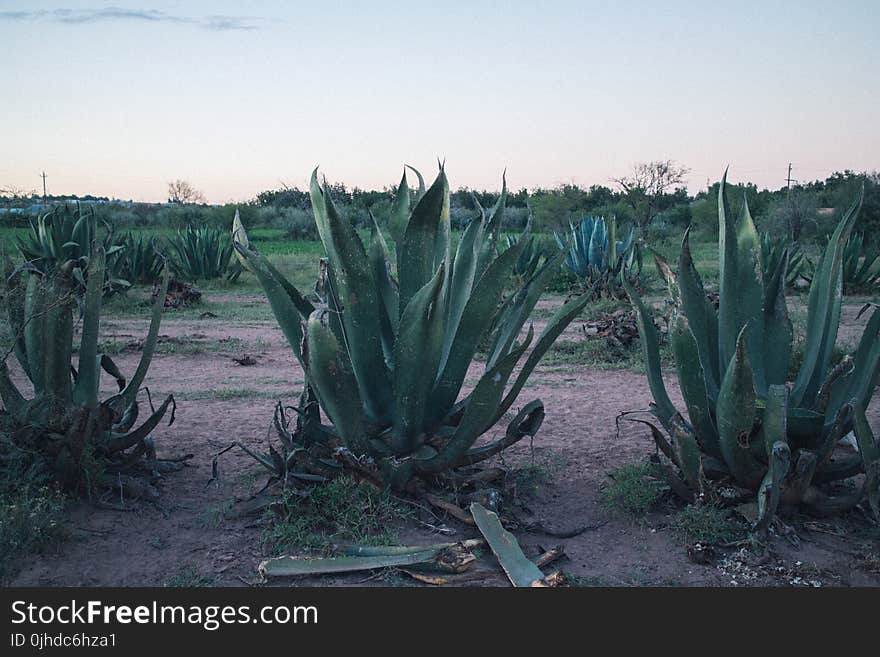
(220, 401)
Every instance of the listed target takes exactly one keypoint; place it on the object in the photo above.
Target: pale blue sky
(118, 98)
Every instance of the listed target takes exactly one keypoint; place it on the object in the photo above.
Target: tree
(182, 193)
(795, 212)
(13, 196)
(644, 190)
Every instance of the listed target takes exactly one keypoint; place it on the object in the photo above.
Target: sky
(118, 99)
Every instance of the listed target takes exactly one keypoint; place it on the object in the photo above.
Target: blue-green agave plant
(386, 353)
(598, 258)
(748, 423)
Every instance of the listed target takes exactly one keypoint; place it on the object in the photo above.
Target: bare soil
(220, 401)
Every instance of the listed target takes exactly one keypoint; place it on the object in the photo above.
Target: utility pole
(788, 180)
(43, 176)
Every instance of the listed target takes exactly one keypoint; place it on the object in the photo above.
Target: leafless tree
(13, 195)
(645, 186)
(182, 193)
(795, 213)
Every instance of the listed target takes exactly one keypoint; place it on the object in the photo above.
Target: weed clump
(341, 511)
(631, 491)
(709, 524)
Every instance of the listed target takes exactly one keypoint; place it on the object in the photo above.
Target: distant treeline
(806, 210)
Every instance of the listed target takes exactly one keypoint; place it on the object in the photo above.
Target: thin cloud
(224, 23)
(217, 23)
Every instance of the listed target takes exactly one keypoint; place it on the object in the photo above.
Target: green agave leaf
(560, 320)
(416, 356)
(134, 384)
(701, 317)
(748, 294)
(860, 384)
(492, 225)
(284, 308)
(361, 311)
(399, 211)
(386, 288)
(665, 410)
(692, 381)
(823, 311)
(241, 245)
(870, 453)
(333, 379)
(88, 373)
(526, 423)
(461, 282)
(120, 443)
(289, 566)
(475, 320)
(480, 413)
(15, 305)
(417, 252)
(34, 311)
(736, 417)
(322, 221)
(728, 266)
(520, 571)
(689, 459)
(521, 306)
(778, 330)
(58, 341)
(420, 178)
(868, 447)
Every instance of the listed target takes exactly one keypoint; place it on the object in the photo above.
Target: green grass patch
(631, 491)
(592, 353)
(181, 345)
(340, 511)
(539, 472)
(30, 517)
(235, 393)
(709, 524)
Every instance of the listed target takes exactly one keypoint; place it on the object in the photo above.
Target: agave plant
(86, 442)
(386, 357)
(747, 423)
(861, 265)
(202, 254)
(530, 257)
(598, 258)
(773, 252)
(64, 235)
(141, 261)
